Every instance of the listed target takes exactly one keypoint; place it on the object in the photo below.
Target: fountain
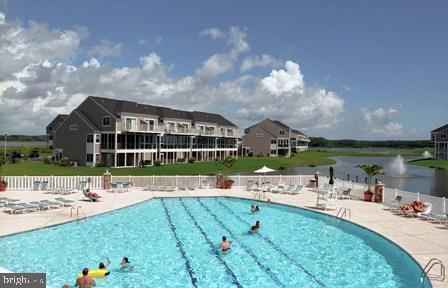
(426, 155)
(398, 166)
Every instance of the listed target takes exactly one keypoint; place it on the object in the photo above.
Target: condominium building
(52, 126)
(440, 138)
(273, 138)
(117, 133)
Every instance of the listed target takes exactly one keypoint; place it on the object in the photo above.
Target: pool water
(173, 243)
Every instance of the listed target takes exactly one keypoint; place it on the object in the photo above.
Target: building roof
(117, 107)
(278, 124)
(440, 129)
(57, 120)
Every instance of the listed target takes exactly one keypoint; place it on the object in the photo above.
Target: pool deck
(419, 238)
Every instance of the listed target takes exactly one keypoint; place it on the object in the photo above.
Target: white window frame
(93, 157)
(147, 120)
(443, 135)
(134, 127)
(87, 138)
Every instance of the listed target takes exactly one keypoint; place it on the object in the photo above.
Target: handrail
(428, 267)
(71, 211)
(343, 213)
(79, 208)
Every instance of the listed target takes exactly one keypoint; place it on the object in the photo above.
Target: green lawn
(246, 164)
(439, 164)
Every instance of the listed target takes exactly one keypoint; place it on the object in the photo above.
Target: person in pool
(225, 244)
(125, 264)
(103, 266)
(252, 208)
(85, 281)
(257, 209)
(254, 229)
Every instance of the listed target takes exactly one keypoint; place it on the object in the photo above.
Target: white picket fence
(440, 204)
(52, 182)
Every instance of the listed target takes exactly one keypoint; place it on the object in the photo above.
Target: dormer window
(106, 121)
(282, 132)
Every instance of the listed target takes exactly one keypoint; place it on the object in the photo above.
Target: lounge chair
(29, 207)
(413, 212)
(52, 204)
(14, 209)
(345, 194)
(36, 185)
(183, 187)
(436, 218)
(91, 198)
(44, 185)
(191, 187)
(297, 190)
(170, 189)
(393, 204)
(65, 202)
(8, 200)
(42, 206)
(204, 184)
(279, 188)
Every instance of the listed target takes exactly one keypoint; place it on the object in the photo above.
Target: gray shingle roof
(117, 107)
(440, 129)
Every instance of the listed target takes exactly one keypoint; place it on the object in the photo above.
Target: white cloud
(282, 81)
(213, 33)
(106, 48)
(2, 18)
(38, 79)
(259, 61)
(381, 121)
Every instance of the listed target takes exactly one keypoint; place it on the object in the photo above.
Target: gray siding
(258, 145)
(72, 142)
(95, 114)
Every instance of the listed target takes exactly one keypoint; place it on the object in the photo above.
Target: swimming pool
(172, 243)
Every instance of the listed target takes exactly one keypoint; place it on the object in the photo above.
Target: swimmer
(254, 229)
(85, 281)
(103, 266)
(225, 244)
(125, 265)
(252, 208)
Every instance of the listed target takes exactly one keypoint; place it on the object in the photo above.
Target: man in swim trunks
(225, 244)
(85, 281)
(254, 229)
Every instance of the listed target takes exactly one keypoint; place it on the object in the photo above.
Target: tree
(371, 171)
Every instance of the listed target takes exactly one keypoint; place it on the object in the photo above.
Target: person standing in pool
(125, 264)
(225, 244)
(254, 229)
(103, 266)
(85, 281)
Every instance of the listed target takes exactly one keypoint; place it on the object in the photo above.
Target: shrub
(157, 163)
(100, 164)
(48, 160)
(251, 154)
(281, 168)
(64, 162)
(181, 160)
(191, 160)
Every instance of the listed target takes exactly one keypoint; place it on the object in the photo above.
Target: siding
(258, 145)
(72, 142)
(95, 114)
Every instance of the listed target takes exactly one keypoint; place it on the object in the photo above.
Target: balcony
(161, 128)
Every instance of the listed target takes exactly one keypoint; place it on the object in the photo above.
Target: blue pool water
(172, 243)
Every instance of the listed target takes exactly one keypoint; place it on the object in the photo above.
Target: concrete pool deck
(419, 238)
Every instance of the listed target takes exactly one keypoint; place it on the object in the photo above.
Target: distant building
(273, 138)
(52, 126)
(440, 138)
(117, 133)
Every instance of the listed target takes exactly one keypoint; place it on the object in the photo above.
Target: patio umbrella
(263, 170)
(331, 176)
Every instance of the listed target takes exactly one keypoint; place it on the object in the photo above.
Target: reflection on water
(417, 179)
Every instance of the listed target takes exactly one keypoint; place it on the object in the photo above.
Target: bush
(281, 168)
(100, 164)
(48, 160)
(181, 160)
(251, 154)
(64, 162)
(157, 163)
(191, 160)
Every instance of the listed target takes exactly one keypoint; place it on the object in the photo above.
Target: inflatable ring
(96, 273)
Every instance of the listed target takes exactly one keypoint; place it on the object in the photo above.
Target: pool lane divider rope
(265, 268)
(180, 245)
(212, 246)
(277, 248)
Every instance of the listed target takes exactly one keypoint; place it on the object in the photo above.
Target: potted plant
(3, 183)
(371, 171)
(228, 163)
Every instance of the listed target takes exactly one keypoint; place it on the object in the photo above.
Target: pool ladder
(78, 215)
(344, 212)
(433, 262)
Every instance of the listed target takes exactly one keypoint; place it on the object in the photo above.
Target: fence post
(175, 181)
(239, 180)
(418, 196)
(152, 179)
(444, 204)
(199, 181)
(26, 182)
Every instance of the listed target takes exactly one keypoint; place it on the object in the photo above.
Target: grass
(430, 163)
(245, 164)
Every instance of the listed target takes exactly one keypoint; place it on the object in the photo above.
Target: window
(259, 135)
(282, 132)
(151, 125)
(89, 158)
(74, 127)
(106, 120)
(131, 124)
(89, 138)
(273, 141)
(273, 152)
(97, 157)
(50, 137)
(97, 138)
(443, 136)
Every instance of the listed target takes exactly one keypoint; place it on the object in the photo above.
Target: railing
(52, 182)
(439, 204)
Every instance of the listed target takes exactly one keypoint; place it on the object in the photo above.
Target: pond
(414, 178)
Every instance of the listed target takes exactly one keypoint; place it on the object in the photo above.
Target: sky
(336, 69)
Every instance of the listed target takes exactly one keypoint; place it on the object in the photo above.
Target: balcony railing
(194, 131)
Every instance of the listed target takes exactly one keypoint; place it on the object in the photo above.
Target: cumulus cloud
(39, 79)
(2, 18)
(213, 33)
(106, 48)
(381, 121)
(259, 61)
